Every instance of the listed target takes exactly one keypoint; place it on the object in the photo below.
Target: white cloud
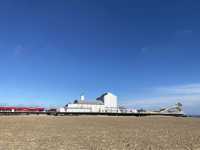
(189, 89)
(188, 100)
(188, 95)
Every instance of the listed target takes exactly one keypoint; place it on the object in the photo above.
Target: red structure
(20, 109)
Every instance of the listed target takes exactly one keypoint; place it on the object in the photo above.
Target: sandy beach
(98, 133)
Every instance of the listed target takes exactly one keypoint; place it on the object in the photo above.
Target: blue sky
(146, 52)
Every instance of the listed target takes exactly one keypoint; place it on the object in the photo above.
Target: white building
(110, 102)
(107, 102)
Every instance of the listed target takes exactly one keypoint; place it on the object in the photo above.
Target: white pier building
(107, 102)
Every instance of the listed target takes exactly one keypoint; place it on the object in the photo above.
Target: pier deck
(92, 113)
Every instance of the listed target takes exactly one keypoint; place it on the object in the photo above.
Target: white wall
(110, 100)
(84, 108)
(62, 109)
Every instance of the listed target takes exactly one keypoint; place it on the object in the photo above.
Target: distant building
(107, 102)
(20, 109)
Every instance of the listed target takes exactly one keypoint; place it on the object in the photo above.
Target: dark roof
(89, 102)
(101, 97)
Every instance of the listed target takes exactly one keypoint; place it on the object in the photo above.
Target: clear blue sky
(146, 52)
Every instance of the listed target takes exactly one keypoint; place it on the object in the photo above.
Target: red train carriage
(20, 109)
